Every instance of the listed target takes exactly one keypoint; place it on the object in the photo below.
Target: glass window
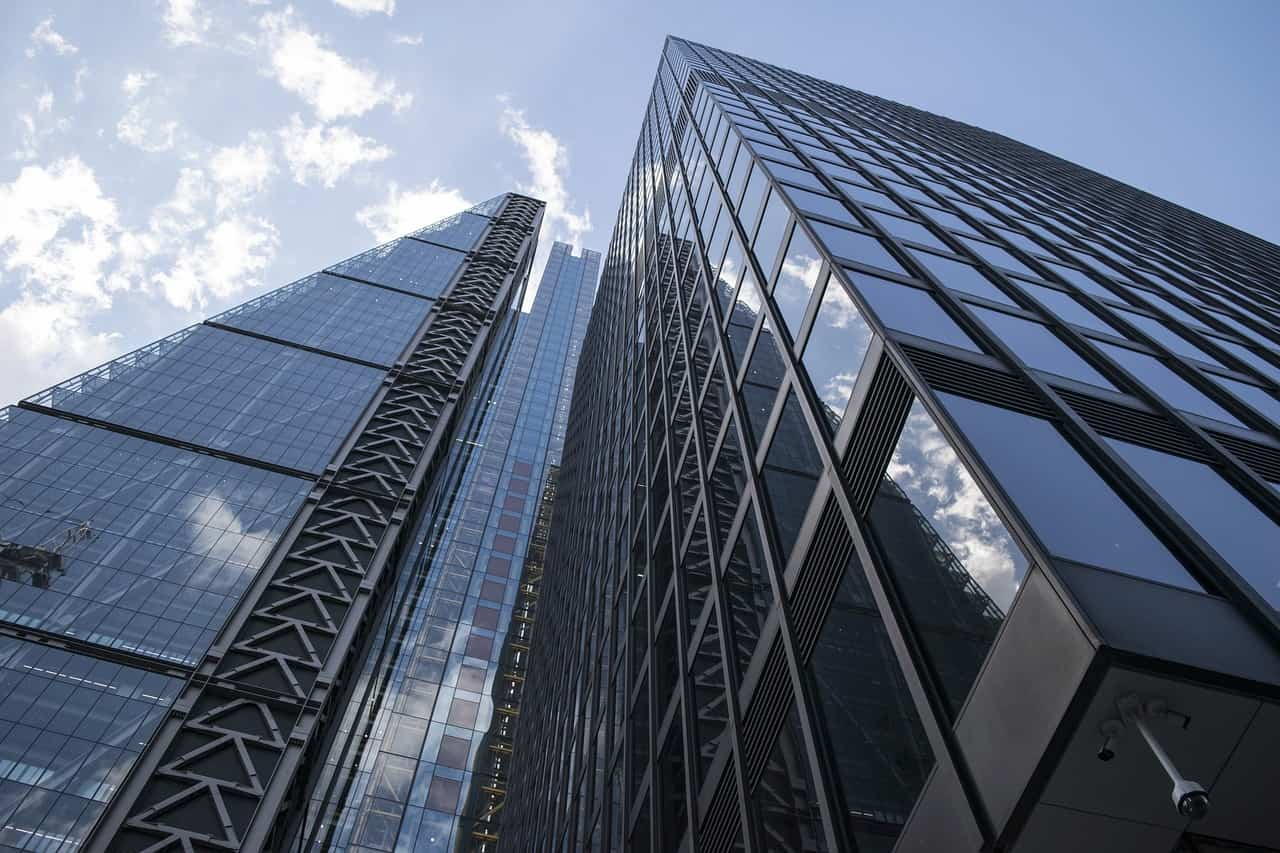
(1039, 347)
(406, 264)
(1176, 391)
(911, 310)
(907, 229)
(1068, 308)
(752, 198)
(764, 377)
(856, 246)
(790, 174)
(1074, 511)
(961, 276)
(1166, 336)
(768, 240)
(1252, 359)
(748, 593)
(954, 563)
(1244, 535)
(823, 205)
(227, 391)
(460, 231)
(995, 256)
(791, 471)
(1260, 400)
(869, 196)
(1080, 280)
(796, 280)
(947, 219)
(878, 747)
(335, 315)
(835, 349)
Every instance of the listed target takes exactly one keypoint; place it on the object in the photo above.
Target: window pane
(950, 555)
(906, 229)
(836, 347)
(1068, 308)
(963, 277)
(996, 256)
(1261, 401)
(772, 226)
(911, 310)
(1176, 391)
(791, 470)
(796, 280)
(856, 246)
(1040, 348)
(823, 205)
(1075, 512)
(1167, 337)
(1244, 535)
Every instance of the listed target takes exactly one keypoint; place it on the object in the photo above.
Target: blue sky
(161, 160)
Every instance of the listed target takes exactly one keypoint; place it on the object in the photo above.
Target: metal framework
(231, 766)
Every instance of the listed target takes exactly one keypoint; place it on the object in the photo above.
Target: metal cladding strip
(231, 766)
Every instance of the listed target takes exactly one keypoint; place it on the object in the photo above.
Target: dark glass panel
(1074, 511)
(1175, 390)
(785, 801)
(405, 264)
(1067, 308)
(856, 246)
(954, 563)
(748, 594)
(1228, 521)
(712, 708)
(791, 470)
(961, 276)
(764, 377)
(911, 310)
(1039, 347)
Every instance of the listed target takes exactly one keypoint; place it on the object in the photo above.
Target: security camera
(1191, 799)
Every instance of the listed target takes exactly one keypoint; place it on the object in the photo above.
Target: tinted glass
(1068, 308)
(951, 557)
(1039, 347)
(334, 315)
(1229, 522)
(405, 264)
(228, 392)
(70, 728)
(962, 277)
(457, 232)
(791, 470)
(1262, 402)
(796, 280)
(823, 205)
(995, 256)
(906, 229)
(835, 349)
(1166, 336)
(1074, 511)
(768, 241)
(156, 544)
(1176, 391)
(856, 246)
(910, 309)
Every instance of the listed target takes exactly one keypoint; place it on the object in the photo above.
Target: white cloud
(44, 103)
(402, 212)
(44, 35)
(334, 86)
(57, 232)
(548, 161)
(77, 83)
(241, 172)
(326, 153)
(185, 22)
(36, 126)
(139, 126)
(364, 7)
(404, 38)
(230, 257)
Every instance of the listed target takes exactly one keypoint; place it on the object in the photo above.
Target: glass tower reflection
(421, 750)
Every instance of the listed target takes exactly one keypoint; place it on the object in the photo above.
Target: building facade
(199, 539)
(920, 489)
(422, 758)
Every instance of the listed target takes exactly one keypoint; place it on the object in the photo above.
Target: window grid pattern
(226, 391)
(70, 728)
(734, 157)
(171, 537)
(406, 264)
(335, 315)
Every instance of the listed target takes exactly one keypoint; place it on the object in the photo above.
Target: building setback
(198, 540)
(919, 487)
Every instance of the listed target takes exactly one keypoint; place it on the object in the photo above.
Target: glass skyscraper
(199, 541)
(914, 479)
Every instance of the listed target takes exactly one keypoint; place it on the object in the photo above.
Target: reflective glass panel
(70, 729)
(856, 246)
(1176, 391)
(835, 349)
(154, 544)
(334, 315)
(1243, 534)
(951, 557)
(1167, 337)
(1076, 514)
(228, 392)
(1260, 400)
(906, 229)
(461, 231)
(962, 277)
(796, 280)
(1068, 308)
(406, 264)
(791, 470)
(773, 224)
(995, 255)
(1039, 347)
(823, 205)
(910, 309)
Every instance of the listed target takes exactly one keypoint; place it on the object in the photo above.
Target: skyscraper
(421, 761)
(199, 539)
(920, 492)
